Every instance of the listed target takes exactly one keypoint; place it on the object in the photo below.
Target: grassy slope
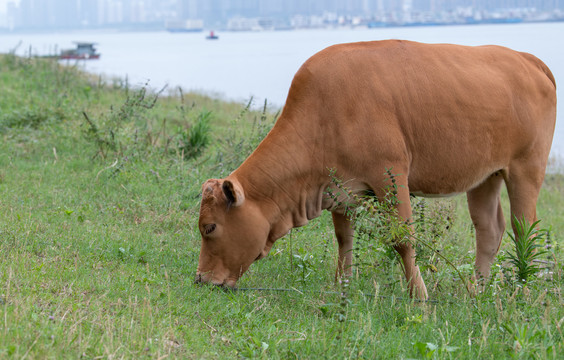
(98, 260)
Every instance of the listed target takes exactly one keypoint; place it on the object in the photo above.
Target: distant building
(266, 14)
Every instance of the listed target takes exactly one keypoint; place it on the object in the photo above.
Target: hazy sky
(3, 5)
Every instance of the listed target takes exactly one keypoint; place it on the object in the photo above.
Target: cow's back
(446, 109)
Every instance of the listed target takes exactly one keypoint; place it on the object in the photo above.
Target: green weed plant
(528, 249)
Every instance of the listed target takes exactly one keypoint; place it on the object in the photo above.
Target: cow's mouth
(227, 284)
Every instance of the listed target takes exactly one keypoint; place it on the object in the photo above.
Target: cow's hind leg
(485, 210)
(345, 237)
(524, 182)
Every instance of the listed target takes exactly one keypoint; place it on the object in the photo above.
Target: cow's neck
(286, 178)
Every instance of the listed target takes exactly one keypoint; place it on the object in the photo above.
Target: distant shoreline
(367, 25)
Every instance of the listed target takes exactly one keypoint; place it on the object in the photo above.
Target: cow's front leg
(345, 237)
(417, 288)
(415, 282)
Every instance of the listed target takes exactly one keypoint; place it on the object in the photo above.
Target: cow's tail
(541, 65)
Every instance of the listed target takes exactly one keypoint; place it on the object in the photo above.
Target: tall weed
(527, 248)
(375, 218)
(196, 139)
(133, 131)
(117, 131)
(40, 92)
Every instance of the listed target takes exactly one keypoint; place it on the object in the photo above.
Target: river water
(261, 64)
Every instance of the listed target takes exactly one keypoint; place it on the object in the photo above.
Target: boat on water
(83, 51)
(212, 36)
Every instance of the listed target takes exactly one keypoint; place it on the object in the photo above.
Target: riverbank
(261, 65)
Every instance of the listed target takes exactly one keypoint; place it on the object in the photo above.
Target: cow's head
(234, 233)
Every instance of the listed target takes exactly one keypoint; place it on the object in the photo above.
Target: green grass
(99, 248)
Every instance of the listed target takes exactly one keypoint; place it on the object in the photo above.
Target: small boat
(83, 51)
(212, 36)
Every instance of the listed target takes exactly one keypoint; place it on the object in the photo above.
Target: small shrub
(197, 138)
(133, 132)
(377, 226)
(371, 216)
(429, 350)
(526, 248)
(374, 218)
(527, 342)
(123, 132)
(431, 223)
(26, 118)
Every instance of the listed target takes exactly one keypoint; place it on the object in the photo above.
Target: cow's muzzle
(223, 286)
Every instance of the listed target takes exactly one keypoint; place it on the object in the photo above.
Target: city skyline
(260, 14)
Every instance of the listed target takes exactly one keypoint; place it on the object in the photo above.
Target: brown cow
(449, 119)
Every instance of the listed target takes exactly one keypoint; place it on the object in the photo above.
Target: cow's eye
(209, 228)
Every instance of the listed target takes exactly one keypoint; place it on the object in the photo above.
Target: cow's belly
(438, 184)
(422, 194)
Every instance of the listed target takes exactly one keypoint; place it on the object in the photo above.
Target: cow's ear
(234, 193)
